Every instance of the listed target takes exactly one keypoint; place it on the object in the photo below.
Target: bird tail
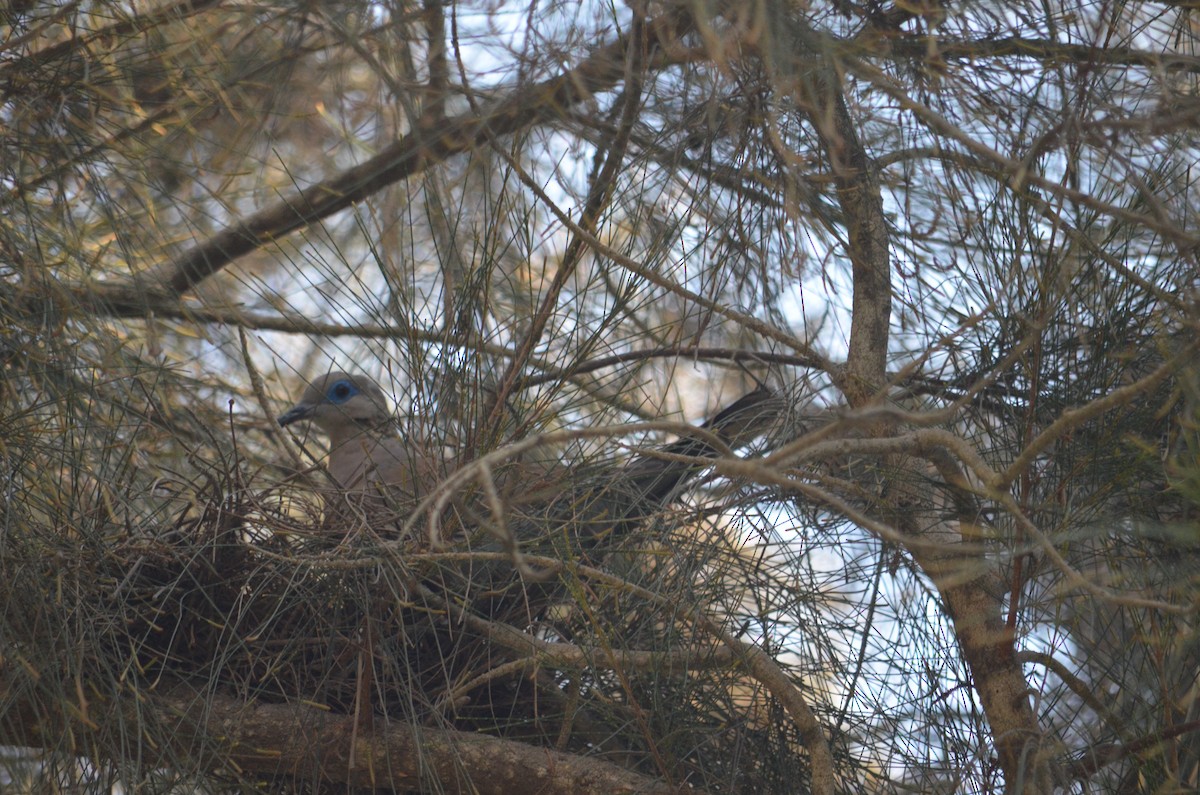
(650, 479)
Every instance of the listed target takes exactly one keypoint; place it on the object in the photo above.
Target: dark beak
(295, 414)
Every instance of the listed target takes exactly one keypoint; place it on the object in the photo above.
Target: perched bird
(366, 459)
(374, 467)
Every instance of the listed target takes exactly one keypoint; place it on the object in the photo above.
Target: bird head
(339, 404)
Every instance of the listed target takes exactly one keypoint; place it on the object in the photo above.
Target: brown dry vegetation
(958, 242)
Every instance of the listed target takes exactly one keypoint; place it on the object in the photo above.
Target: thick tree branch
(431, 142)
(800, 61)
(306, 744)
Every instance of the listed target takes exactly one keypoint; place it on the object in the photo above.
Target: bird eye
(341, 391)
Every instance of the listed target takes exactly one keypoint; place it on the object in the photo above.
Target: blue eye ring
(341, 391)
